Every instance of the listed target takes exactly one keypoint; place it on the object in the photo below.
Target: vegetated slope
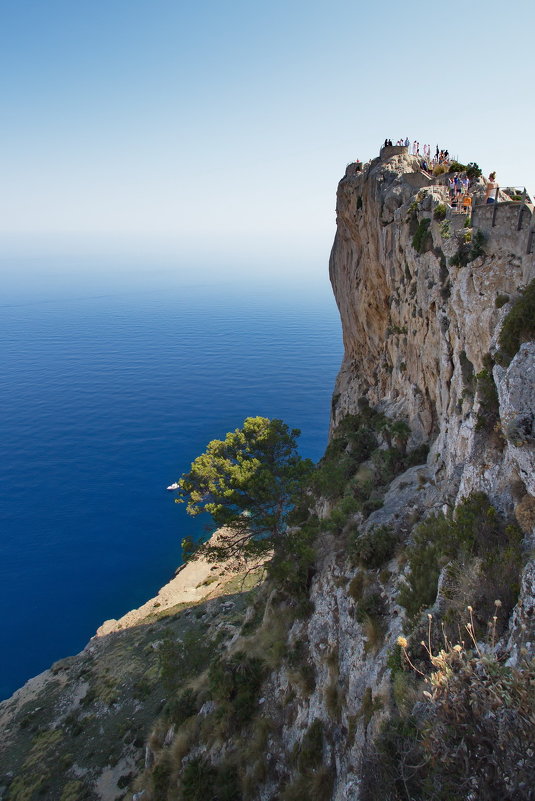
(409, 559)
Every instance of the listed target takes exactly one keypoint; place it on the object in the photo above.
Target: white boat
(173, 486)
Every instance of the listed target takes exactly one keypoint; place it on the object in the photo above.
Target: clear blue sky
(224, 126)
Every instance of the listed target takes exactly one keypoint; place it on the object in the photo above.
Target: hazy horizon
(174, 128)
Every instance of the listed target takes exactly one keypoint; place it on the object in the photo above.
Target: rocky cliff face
(417, 329)
(423, 295)
(421, 344)
(421, 340)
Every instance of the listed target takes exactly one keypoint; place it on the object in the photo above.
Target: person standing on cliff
(491, 189)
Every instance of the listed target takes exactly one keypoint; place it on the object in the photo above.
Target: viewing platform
(393, 150)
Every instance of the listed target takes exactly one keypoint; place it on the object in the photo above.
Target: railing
(510, 195)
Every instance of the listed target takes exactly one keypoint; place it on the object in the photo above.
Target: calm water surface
(109, 387)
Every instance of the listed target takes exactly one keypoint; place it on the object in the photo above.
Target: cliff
(418, 326)
(423, 506)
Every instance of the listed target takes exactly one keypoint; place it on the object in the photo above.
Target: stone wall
(508, 229)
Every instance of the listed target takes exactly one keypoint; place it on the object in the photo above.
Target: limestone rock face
(417, 329)
(418, 333)
(516, 391)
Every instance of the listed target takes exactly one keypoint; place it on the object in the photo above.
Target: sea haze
(111, 381)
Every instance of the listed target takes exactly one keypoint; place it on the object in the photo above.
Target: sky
(224, 126)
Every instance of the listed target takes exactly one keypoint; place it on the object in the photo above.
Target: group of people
(458, 184)
(460, 198)
(440, 157)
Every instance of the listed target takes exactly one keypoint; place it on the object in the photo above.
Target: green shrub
(179, 660)
(395, 432)
(470, 248)
(388, 463)
(478, 240)
(373, 548)
(395, 661)
(236, 681)
(310, 751)
(161, 777)
(461, 258)
(476, 531)
(393, 764)
(293, 563)
(371, 605)
(299, 660)
(445, 230)
(341, 514)
(440, 212)
(76, 791)
(332, 475)
(426, 558)
(456, 166)
(227, 784)
(501, 300)
(422, 240)
(142, 688)
(201, 781)
(471, 169)
(417, 456)
(352, 443)
(357, 585)
(314, 780)
(489, 408)
(181, 708)
(316, 785)
(518, 326)
(370, 705)
(373, 503)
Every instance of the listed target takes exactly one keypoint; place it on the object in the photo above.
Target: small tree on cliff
(248, 482)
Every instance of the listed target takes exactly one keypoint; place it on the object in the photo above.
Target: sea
(113, 377)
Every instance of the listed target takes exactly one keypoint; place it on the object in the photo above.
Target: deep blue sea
(111, 381)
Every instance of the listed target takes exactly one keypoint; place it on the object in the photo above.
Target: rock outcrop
(418, 328)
